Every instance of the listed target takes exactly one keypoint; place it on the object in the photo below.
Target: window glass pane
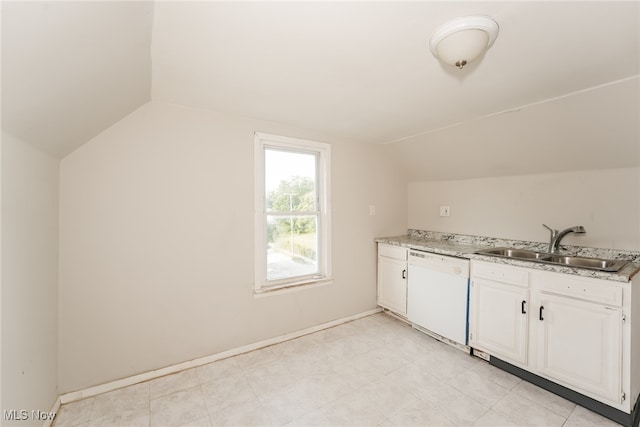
(293, 223)
(292, 246)
(290, 181)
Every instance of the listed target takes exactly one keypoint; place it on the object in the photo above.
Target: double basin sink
(598, 264)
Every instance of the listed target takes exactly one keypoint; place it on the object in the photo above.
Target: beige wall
(29, 278)
(605, 202)
(156, 243)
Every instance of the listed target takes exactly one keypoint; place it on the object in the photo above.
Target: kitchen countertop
(465, 246)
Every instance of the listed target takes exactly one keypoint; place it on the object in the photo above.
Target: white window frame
(322, 150)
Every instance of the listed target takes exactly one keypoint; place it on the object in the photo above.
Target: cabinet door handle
(522, 307)
(540, 316)
(404, 274)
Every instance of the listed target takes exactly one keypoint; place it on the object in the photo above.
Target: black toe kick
(620, 417)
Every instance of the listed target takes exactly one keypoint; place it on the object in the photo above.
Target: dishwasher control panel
(444, 263)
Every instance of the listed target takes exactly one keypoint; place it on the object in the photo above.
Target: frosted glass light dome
(462, 40)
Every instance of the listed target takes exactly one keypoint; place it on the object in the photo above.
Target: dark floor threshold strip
(620, 417)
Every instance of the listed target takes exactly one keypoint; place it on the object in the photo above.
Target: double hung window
(292, 212)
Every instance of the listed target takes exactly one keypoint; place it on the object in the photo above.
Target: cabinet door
(498, 319)
(580, 344)
(392, 284)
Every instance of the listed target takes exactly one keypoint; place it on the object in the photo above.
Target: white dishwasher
(438, 294)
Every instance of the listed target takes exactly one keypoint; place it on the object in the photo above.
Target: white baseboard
(135, 379)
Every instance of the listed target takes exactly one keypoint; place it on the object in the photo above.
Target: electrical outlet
(444, 211)
(372, 210)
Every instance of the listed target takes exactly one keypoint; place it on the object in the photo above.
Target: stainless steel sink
(514, 253)
(566, 260)
(592, 263)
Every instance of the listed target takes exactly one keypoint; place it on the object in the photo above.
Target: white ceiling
(72, 69)
(355, 70)
(363, 70)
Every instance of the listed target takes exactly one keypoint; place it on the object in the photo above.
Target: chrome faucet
(556, 236)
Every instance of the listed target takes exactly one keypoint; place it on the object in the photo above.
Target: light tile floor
(376, 371)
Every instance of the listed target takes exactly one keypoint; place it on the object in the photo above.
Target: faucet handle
(549, 228)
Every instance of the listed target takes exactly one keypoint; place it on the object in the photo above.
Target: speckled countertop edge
(465, 246)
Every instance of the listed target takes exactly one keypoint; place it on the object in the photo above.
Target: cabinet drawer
(390, 251)
(586, 289)
(500, 273)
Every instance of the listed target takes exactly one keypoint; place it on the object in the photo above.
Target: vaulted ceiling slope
(355, 70)
(593, 129)
(72, 69)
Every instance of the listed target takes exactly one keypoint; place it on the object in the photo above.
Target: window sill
(291, 287)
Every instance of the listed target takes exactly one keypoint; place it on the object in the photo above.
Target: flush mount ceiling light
(462, 40)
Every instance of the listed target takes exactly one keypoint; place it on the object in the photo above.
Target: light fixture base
(464, 39)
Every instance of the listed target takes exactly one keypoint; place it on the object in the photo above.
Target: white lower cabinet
(580, 344)
(498, 307)
(392, 278)
(498, 315)
(572, 330)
